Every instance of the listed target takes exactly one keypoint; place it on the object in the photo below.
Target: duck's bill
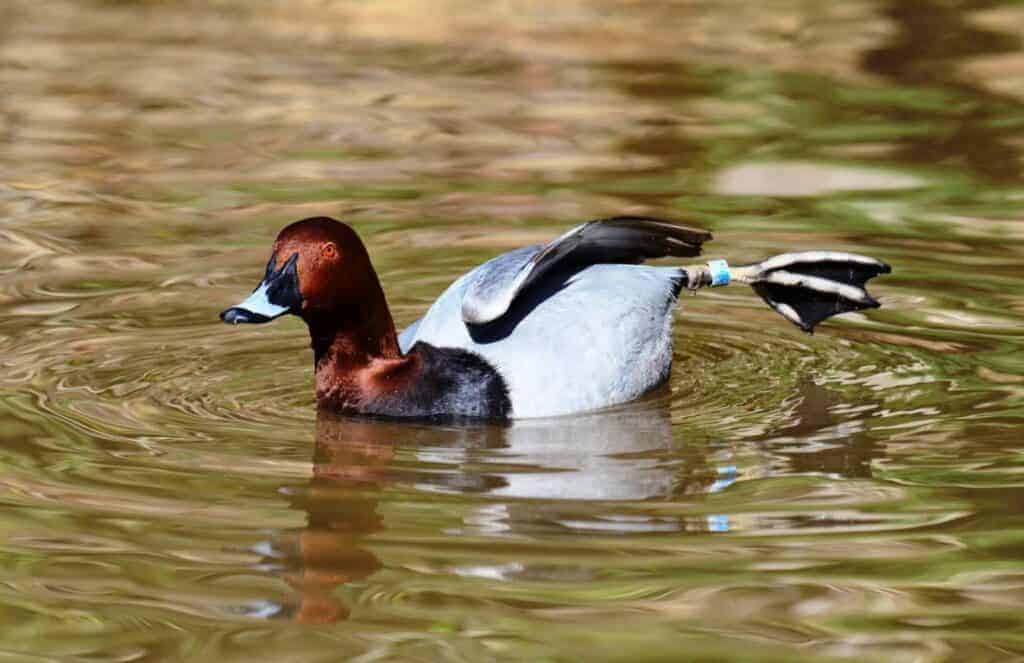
(277, 294)
(256, 308)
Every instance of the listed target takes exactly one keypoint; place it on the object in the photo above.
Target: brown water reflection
(167, 493)
(931, 43)
(593, 457)
(558, 465)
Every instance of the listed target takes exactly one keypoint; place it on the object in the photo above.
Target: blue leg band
(719, 272)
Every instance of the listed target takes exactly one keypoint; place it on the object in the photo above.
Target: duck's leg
(805, 288)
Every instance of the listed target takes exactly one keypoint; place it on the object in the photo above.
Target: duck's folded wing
(408, 336)
(625, 239)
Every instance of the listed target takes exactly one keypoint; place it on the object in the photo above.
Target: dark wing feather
(622, 239)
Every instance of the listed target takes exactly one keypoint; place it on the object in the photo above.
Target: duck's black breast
(450, 384)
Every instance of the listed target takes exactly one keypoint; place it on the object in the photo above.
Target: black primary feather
(621, 239)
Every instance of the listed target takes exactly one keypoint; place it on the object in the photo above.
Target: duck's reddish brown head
(320, 271)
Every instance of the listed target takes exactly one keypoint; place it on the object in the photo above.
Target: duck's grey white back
(578, 324)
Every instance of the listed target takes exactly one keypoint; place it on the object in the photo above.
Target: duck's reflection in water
(350, 463)
(556, 476)
(605, 456)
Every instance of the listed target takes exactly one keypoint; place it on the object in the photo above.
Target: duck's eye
(329, 251)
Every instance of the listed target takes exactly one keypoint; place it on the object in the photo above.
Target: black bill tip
(236, 315)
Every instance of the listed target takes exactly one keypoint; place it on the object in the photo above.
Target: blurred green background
(168, 492)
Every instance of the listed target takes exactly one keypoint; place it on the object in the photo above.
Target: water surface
(169, 493)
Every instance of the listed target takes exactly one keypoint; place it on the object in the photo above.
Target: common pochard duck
(574, 325)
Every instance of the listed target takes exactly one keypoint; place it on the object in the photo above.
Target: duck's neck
(350, 344)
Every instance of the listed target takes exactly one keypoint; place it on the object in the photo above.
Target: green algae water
(168, 492)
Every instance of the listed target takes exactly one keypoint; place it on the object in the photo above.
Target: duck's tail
(805, 288)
